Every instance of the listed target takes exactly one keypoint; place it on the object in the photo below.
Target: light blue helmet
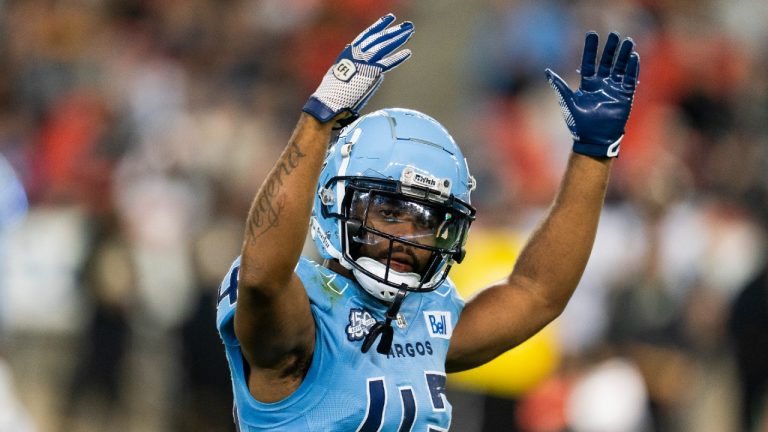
(403, 160)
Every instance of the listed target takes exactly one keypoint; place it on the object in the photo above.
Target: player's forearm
(596, 114)
(554, 258)
(278, 219)
(545, 275)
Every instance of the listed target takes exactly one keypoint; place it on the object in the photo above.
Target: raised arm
(551, 264)
(273, 321)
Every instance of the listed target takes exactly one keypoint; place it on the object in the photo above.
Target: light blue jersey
(344, 389)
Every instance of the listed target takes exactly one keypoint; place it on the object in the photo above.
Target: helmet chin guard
(382, 291)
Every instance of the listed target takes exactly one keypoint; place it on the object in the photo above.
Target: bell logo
(438, 324)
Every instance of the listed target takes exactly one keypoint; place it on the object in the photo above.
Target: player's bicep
(272, 323)
(494, 321)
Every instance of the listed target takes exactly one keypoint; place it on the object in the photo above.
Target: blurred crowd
(134, 133)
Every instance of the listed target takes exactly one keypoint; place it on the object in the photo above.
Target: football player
(363, 340)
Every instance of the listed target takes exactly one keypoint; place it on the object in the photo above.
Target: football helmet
(393, 183)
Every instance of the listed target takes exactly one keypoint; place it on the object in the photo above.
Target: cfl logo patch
(344, 70)
(438, 324)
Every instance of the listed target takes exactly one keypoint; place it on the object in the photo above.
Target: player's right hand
(359, 71)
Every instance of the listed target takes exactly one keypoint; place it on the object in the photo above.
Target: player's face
(403, 219)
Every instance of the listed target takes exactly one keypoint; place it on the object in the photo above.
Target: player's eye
(389, 214)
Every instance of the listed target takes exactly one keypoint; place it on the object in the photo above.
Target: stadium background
(133, 135)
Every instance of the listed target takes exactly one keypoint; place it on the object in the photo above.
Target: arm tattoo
(268, 205)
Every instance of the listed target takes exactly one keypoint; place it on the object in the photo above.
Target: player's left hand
(597, 112)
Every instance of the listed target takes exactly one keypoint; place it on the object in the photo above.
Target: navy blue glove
(359, 70)
(597, 112)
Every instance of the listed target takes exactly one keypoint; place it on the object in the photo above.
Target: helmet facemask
(400, 238)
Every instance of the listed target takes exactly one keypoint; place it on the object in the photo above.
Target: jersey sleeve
(227, 300)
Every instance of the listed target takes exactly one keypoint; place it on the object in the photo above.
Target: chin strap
(384, 328)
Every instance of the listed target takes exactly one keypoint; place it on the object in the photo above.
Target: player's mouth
(400, 262)
(399, 266)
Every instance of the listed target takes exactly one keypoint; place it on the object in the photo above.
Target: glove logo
(344, 70)
(613, 149)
